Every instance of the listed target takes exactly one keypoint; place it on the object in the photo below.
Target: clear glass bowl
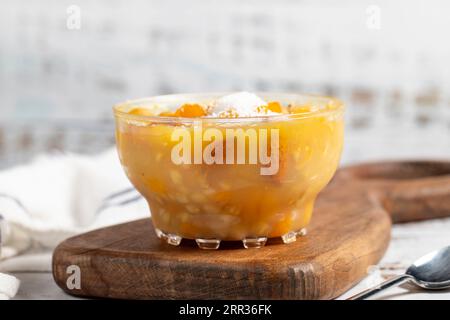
(175, 164)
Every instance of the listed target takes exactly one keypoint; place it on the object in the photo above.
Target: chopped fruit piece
(299, 109)
(270, 107)
(167, 114)
(274, 107)
(141, 112)
(222, 196)
(156, 186)
(190, 111)
(283, 156)
(281, 227)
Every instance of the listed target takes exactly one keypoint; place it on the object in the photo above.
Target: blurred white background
(388, 60)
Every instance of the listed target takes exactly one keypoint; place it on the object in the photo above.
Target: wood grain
(350, 231)
(408, 191)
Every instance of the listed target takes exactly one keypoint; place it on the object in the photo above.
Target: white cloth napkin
(55, 197)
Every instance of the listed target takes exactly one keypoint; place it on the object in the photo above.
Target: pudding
(217, 167)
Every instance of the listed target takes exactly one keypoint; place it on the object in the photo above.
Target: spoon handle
(383, 286)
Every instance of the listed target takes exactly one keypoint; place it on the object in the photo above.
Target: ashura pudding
(216, 167)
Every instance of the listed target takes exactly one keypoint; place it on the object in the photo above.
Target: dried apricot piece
(140, 112)
(274, 106)
(270, 107)
(282, 161)
(190, 111)
(300, 109)
(189, 229)
(281, 227)
(156, 186)
(222, 196)
(167, 114)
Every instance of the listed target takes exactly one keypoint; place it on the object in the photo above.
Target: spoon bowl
(430, 272)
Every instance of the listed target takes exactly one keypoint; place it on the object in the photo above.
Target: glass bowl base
(214, 244)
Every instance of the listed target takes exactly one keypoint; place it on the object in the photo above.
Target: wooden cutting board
(350, 232)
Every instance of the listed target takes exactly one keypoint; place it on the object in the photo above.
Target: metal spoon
(431, 272)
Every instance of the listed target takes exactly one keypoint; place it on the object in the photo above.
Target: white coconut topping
(240, 104)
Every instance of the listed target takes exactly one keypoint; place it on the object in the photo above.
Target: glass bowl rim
(339, 108)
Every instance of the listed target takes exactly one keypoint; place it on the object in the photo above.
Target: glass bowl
(226, 179)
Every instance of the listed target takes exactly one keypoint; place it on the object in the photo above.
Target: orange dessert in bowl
(216, 167)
